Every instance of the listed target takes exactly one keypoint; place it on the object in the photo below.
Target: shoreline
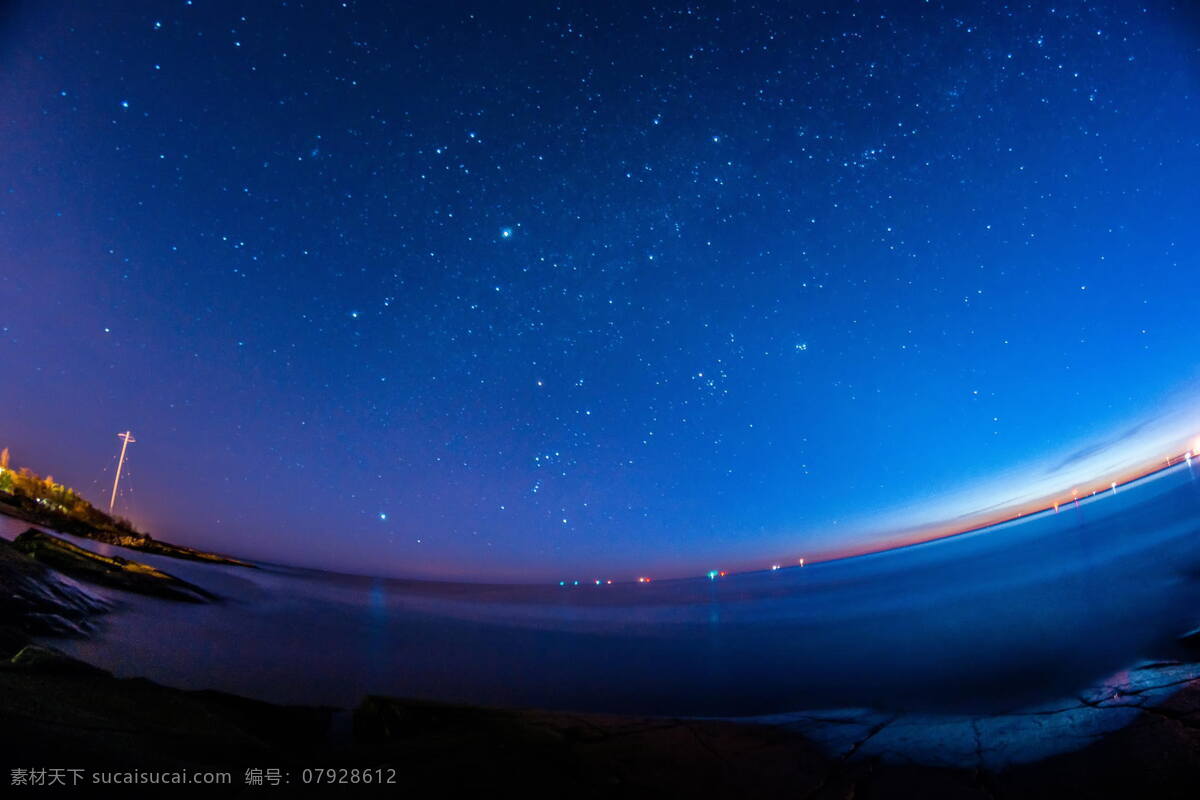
(17, 507)
(1144, 722)
(20, 508)
(59, 708)
(58, 711)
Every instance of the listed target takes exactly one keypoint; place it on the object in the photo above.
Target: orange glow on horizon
(945, 530)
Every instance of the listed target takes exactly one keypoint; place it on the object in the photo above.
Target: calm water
(986, 621)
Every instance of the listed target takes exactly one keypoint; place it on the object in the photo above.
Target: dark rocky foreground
(1136, 736)
(58, 712)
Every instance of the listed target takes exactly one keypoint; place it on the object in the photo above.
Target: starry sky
(530, 291)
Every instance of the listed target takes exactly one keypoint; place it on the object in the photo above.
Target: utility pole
(125, 438)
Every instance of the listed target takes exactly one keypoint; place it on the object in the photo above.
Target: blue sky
(525, 293)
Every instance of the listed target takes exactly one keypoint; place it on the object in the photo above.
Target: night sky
(532, 291)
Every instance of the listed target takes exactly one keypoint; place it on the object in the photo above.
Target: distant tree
(4, 458)
(26, 483)
(64, 499)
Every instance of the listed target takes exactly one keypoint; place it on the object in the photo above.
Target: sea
(996, 619)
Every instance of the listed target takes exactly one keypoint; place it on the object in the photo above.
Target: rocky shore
(114, 571)
(37, 600)
(23, 508)
(55, 711)
(1137, 735)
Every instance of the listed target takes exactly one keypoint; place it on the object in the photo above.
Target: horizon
(1116, 476)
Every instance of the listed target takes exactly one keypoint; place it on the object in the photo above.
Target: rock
(12, 639)
(56, 709)
(121, 573)
(58, 625)
(50, 703)
(159, 548)
(1191, 639)
(36, 600)
(477, 750)
(42, 658)
(25, 509)
(993, 743)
